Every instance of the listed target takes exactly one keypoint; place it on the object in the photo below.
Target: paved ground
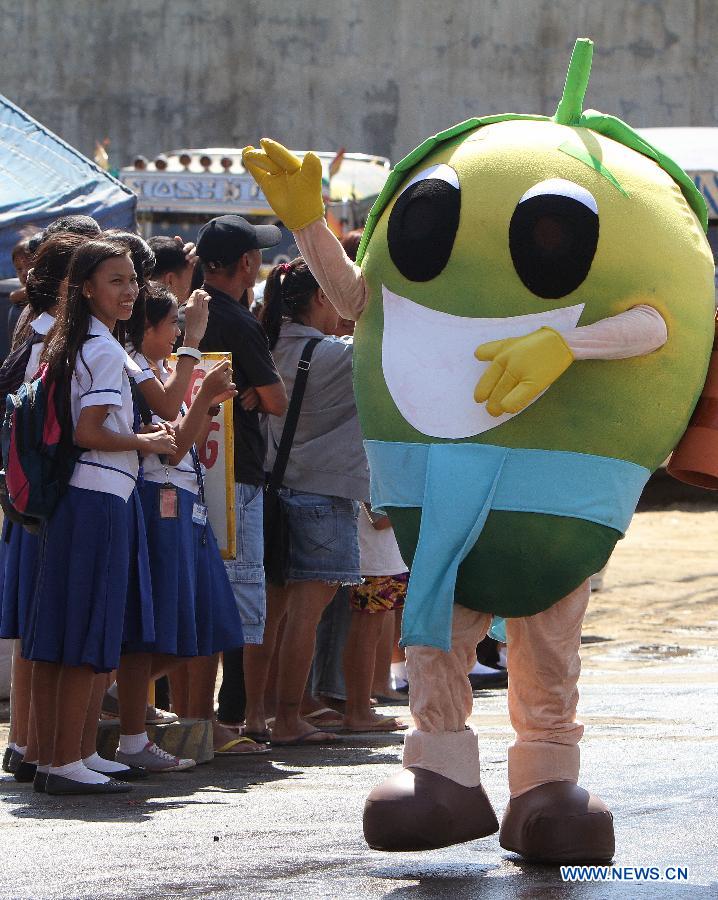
(290, 825)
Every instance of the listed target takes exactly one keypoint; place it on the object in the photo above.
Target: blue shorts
(246, 572)
(323, 540)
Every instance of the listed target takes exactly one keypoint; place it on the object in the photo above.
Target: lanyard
(198, 472)
(197, 465)
(136, 427)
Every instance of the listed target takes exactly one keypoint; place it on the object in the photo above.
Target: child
(194, 607)
(93, 589)
(383, 589)
(18, 548)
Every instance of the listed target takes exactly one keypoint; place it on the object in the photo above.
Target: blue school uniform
(93, 588)
(194, 607)
(18, 548)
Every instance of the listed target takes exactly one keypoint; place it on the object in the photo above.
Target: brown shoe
(558, 822)
(420, 810)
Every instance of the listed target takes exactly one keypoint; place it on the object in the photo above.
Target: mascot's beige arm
(340, 279)
(635, 332)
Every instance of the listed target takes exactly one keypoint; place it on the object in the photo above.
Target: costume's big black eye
(423, 223)
(553, 237)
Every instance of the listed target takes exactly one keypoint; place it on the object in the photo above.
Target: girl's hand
(229, 394)
(196, 314)
(161, 441)
(218, 380)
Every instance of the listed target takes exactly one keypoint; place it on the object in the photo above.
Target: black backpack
(12, 371)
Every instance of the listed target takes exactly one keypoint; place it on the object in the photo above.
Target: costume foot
(558, 822)
(420, 810)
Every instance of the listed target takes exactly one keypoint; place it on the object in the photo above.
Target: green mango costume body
(534, 321)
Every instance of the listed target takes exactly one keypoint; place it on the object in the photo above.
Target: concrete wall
(372, 75)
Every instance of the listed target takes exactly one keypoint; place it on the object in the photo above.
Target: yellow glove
(521, 368)
(292, 187)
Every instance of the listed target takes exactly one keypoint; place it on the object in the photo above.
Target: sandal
(325, 716)
(228, 748)
(314, 738)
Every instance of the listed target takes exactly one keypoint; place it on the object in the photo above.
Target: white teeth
(430, 368)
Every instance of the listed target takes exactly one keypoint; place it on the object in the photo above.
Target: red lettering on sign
(210, 452)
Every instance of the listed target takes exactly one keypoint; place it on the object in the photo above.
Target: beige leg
(544, 666)
(440, 700)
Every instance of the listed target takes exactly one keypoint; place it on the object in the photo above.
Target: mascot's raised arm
(535, 305)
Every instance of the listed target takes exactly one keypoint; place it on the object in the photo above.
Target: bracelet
(189, 351)
(214, 410)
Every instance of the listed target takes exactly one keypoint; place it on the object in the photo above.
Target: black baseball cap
(223, 240)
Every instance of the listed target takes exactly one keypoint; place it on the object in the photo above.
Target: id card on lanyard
(199, 509)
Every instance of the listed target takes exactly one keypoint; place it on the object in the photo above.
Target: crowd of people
(124, 583)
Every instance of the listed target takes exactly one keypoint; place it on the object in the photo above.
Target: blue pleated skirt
(18, 571)
(195, 611)
(94, 589)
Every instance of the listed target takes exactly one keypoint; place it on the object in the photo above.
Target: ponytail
(288, 295)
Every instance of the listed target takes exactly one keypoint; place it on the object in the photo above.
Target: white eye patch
(442, 172)
(562, 188)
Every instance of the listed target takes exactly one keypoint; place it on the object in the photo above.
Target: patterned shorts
(380, 593)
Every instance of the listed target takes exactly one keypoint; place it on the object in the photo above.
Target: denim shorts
(246, 572)
(323, 541)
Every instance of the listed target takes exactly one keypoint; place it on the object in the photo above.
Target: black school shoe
(6, 759)
(39, 782)
(13, 764)
(133, 773)
(57, 785)
(25, 772)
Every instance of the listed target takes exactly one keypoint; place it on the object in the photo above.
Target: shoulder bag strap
(290, 423)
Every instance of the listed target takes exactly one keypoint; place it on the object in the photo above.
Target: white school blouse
(101, 379)
(41, 325)
(183, 475)
(379, 552)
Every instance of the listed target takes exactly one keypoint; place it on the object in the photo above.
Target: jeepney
(179, 191)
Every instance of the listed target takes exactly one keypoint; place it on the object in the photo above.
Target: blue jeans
(328, 667)
(246, 572)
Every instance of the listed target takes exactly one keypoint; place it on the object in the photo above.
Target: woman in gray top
(326, 476)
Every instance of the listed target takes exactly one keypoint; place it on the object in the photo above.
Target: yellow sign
(217, 458)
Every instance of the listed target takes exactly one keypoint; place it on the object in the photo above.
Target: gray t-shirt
(327, 455)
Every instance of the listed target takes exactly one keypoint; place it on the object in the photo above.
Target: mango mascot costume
(534, 321)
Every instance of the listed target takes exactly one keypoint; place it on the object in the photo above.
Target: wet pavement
(289, 825)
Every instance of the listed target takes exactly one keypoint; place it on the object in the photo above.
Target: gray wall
(372, 75)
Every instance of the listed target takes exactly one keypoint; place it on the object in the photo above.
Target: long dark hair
(49, 269)
(143, 259)
(65, 340)
(158, 303)
(288, 294)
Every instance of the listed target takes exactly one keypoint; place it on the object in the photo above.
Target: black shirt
(232, 328)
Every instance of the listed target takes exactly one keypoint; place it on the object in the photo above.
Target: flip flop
(305, 740)
(319, 717)
(227, 749)
(385, 726)
(259, 737)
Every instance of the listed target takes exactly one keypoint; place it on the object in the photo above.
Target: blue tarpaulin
(42, 178)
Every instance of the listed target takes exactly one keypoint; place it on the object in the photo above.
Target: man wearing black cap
(231, 252)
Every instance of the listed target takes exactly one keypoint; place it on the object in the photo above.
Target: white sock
(21, 750)
(30, 762)
(133, 743)
(78, 771)
(398, 670)
(107, 766)
(12, 746)
(481, 669)
(44, 769)
(112, 690)
(502, 656)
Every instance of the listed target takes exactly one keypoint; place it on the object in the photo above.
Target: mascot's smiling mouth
(430, 368)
